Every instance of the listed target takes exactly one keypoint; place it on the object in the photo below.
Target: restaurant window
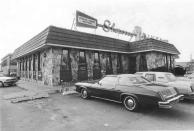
(26, 64)
(82, 58)
(39, 67)
(119, 64)
(96, 57)
(108, 64)
(20, 65)
(65, 60)
(34, 69)
(96, 67)
(29, 63)
(23, 62)
(65, 70)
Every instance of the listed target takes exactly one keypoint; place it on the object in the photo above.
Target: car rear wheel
(130, 103)
(84, 93)
(1, 84)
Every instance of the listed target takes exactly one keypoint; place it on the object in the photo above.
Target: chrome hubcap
(84, 94)
(130, 103)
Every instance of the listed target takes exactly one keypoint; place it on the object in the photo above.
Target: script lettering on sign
(111, 27)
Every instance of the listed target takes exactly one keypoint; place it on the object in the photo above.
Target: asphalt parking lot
(72, 113)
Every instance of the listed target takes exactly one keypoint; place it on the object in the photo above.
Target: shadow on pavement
(187, 101)
(170, 114)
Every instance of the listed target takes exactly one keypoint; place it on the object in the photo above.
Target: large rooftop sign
(84, 20)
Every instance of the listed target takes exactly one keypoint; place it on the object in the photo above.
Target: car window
(162, 79)
(132, 80)
(150, 77)
(138, 73)
(170, 77)
(108, 82)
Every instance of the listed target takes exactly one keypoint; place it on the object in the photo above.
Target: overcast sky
(173, 20)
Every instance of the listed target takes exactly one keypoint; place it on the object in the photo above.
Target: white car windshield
(170, 77)
(138, 80)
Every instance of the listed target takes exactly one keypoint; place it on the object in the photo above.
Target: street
(71, 113)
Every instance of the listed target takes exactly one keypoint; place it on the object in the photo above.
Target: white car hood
(4, 78)
(83, 84)
(182, 86)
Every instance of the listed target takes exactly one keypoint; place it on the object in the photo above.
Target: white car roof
(122, 75)
(153, 72)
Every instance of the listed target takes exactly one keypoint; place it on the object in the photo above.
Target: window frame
(109, 85)
(154, 78)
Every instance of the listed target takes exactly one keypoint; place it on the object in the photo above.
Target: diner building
(58, 54)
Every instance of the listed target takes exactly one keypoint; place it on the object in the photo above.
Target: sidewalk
(36, 87)
(35, 91)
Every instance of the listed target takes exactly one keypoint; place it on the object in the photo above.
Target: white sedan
(6, 80)
(183, 87)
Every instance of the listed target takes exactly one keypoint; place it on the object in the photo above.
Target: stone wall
(50, 63)
(74, 57)
(56, 61)
(157, 59)
(90, 63)
(47, 66)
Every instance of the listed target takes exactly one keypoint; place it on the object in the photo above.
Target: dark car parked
(131, 90)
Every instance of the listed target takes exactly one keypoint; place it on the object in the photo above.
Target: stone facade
(158, 60)
(74, 57)
(46, 64)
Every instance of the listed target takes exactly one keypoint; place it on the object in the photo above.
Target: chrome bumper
(170, 102)
(8, 83)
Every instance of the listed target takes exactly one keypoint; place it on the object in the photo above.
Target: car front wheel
(84, 93)
(130, 103)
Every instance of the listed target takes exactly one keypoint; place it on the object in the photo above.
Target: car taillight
(168, 93)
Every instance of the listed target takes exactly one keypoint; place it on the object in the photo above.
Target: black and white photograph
(96, 65)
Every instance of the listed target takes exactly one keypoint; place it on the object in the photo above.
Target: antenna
(73, 23)
(73, 26)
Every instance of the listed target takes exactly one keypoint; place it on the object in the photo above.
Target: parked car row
(133, 91)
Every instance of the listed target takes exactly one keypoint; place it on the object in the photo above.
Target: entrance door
(96, 67)
(109, 64)
(65, 73)
(132, 64)
(82, 67)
